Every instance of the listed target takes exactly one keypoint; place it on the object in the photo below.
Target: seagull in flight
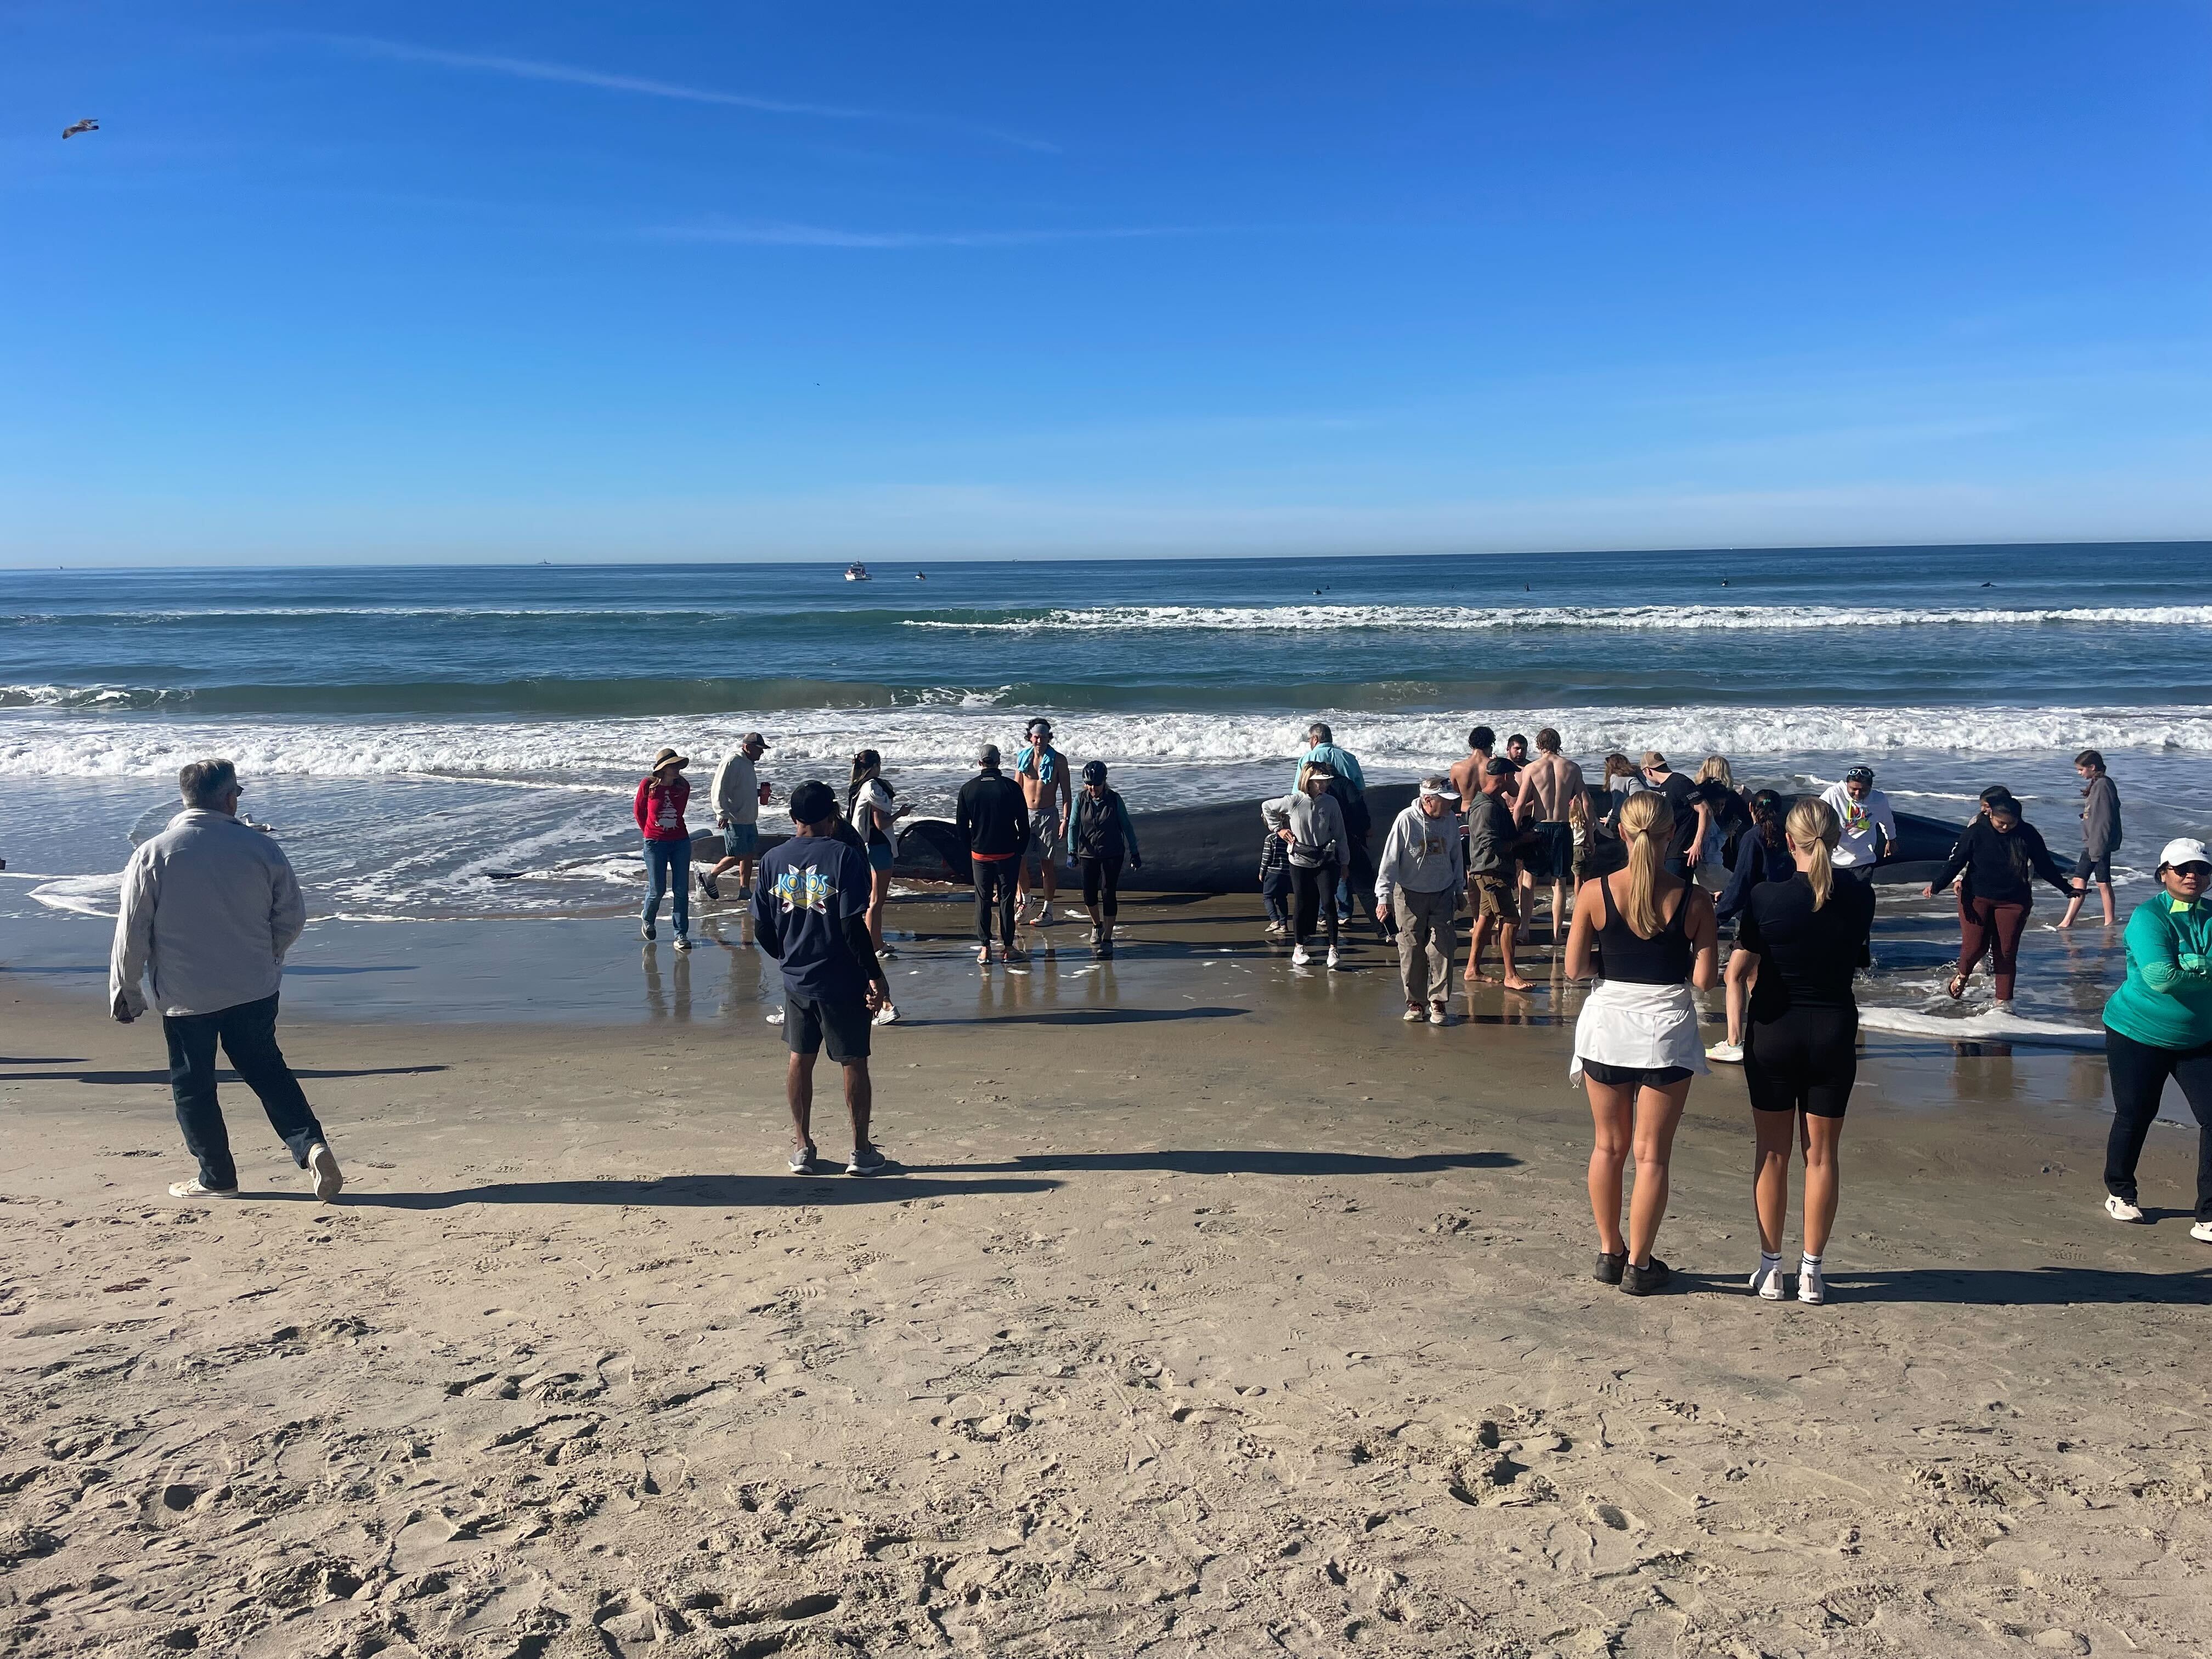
(75, 127)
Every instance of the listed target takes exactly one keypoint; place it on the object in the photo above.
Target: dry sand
(1206, 1317)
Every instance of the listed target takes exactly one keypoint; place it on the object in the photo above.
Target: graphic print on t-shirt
(805, 888)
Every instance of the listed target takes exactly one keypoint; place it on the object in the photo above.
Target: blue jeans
(669, 864)
(248, 1034)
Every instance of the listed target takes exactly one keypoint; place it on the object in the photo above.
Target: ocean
(407, 731)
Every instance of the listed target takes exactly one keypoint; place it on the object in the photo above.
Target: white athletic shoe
(1811, 1289)
(1728, 1053)
(193, 1189)
(1300, 955)
(1412, 1016)
(887, 1015)
(1766, 1282)
(323, 1173)
(2120, 1210)
(1438, 1014)
(2201, 1233)
(1332, 956)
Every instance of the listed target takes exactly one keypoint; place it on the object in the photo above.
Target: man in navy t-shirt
(810, 911)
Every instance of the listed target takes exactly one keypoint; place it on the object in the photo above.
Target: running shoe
(1608, 1268)
(646, 931)
(2120, 1210)
(1728, 1053)
(1106, 946)
(193, 1189)
(1439, 1014)
(1300, 955)
(1044, 915)
(2201, 1233)
(1412, 1016)
(1766, 1282)
(1811, 1289)
(887, 953)
(684, 941)
(707, 888)
(802, 1159)
(867, 1159)
(1015, 953)
(323, 1173)
(1332, 956)
(1644, 1281)
(887, 1015)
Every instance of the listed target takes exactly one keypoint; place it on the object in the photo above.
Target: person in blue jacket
(2159, 1025)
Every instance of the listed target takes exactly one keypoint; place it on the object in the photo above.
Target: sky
(408, 283)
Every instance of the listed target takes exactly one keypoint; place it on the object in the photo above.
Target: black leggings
(1804, 1062)
(2139, 1072)
(1102, 885)
(994, 889)
(1314, 891)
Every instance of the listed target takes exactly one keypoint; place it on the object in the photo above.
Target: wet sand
(1213, 1311)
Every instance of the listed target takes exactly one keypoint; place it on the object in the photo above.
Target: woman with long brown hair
(1801, 942)
(1648, 936)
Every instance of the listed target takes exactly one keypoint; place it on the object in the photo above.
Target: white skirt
(1645, 1026)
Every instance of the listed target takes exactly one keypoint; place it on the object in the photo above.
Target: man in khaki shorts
(1490, 844)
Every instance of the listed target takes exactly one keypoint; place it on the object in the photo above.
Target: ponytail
(1814, 829)
(1647, 824)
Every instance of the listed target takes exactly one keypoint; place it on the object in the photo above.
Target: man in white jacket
(1418, 882)
(210, 908)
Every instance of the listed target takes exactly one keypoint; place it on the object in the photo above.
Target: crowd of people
(1642, 873)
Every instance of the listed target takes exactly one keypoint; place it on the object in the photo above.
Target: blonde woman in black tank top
(1647, 937)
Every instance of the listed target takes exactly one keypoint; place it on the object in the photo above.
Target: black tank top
(1663, 959)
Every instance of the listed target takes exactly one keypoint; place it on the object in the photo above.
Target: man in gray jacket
(1418, 882)
(210, 908)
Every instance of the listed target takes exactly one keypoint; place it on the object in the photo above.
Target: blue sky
(410, 282)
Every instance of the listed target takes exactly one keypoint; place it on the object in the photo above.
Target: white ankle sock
(1808, 1261)
(1769, 1263)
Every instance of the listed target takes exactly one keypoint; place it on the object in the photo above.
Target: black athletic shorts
(2092, 871)
(845, 1025)
(1804, 1062)
(1636, 1077)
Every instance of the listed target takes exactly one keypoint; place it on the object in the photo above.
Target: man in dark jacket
(993, 819)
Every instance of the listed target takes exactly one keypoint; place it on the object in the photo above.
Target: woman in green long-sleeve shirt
(2159, 1025)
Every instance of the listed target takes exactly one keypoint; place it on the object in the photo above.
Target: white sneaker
(1412, 1016)
(1728, 1053)
(887, 1015)
(323, 1173)
(1439, 1015)
(1300, 955)
(1766, 1282)
(2120, 1210)
(193, 1189)
(2201, 1233)
(1811, 1289)
(1332, 956)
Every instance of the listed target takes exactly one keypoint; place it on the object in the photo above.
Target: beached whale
(1216, 848)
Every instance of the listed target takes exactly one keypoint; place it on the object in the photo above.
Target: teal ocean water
(410, 731)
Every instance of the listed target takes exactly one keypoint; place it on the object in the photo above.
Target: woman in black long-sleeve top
(2000, 853)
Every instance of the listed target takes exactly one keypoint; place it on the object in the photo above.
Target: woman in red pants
(2001, 855)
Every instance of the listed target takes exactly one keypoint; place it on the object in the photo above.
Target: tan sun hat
(668, 757)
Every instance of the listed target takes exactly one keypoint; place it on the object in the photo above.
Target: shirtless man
(1548, 784)
(1467, 774)
(1041, 770)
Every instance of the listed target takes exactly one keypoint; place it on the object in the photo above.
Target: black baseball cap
(1094, 771)
(811, 802)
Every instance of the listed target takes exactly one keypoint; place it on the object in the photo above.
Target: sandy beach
(1211, 1311)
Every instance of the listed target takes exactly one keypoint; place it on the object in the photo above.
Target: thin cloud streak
(531, 69)
(780, 233)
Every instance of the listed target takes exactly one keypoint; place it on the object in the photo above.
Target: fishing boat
(857, 572)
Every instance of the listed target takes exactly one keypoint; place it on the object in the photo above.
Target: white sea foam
(1986, 1027)
(609, 753)
(1300, 618)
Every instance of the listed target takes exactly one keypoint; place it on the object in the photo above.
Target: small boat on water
(857, 572)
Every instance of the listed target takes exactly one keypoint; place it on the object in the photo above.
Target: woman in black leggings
(1800, 943)
(1101, 837)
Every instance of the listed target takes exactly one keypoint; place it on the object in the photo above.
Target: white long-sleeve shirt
(210, 908)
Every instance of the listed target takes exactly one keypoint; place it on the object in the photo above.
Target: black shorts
(845, 1025)
(1804, 1062)
(1636, 1077)
(1551, 856)
(2087, 869)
